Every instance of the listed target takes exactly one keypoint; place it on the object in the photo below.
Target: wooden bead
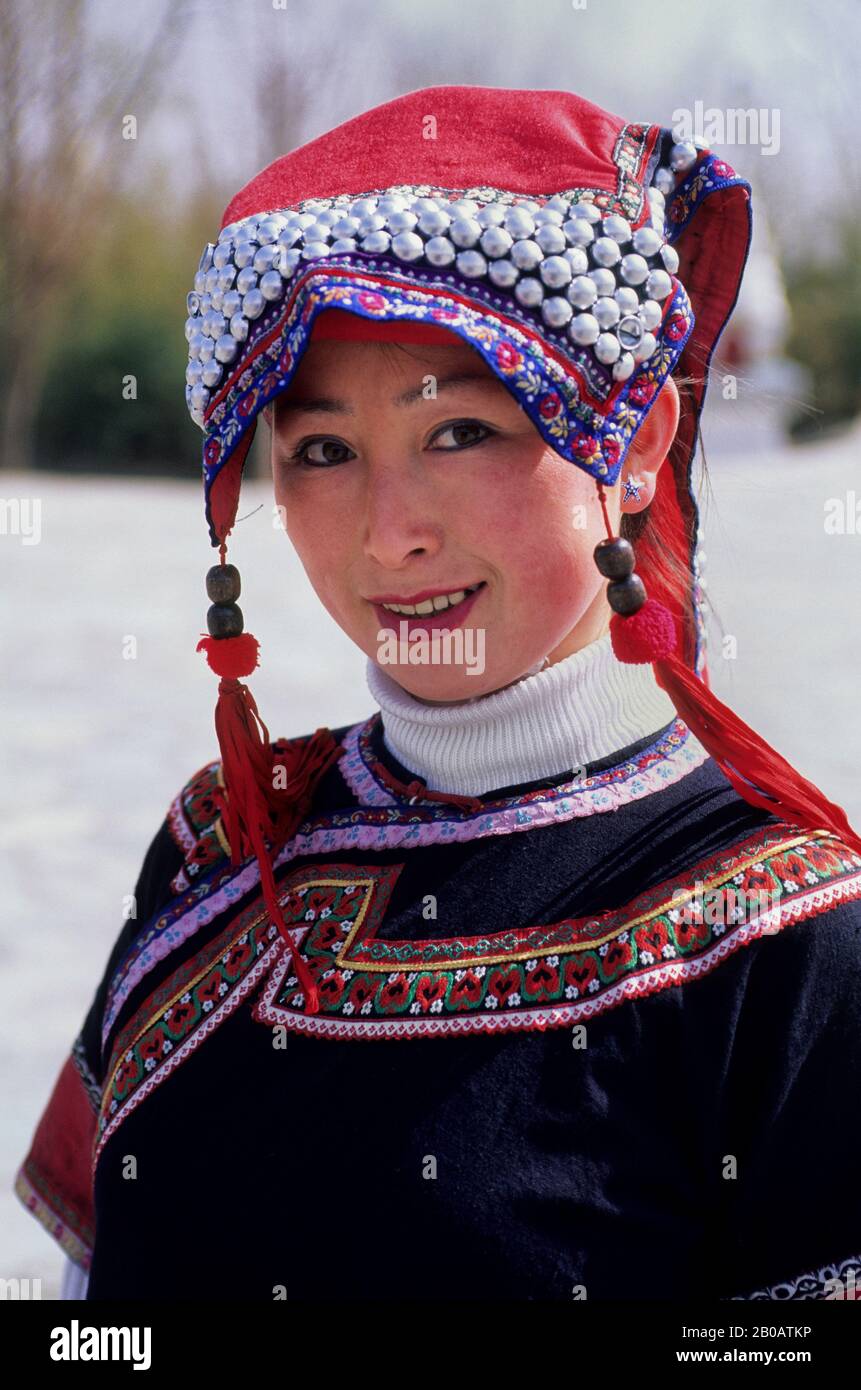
(615, 557)
(224, 620)
(627, 596)
(223, 584)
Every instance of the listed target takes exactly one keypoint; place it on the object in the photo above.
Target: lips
(442, 621)
(413, 599)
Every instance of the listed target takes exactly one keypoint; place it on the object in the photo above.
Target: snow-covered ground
(95, 744)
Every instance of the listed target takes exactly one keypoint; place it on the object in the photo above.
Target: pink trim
(561, 804)
(233, 1000)
(567, 801)
(179, 828)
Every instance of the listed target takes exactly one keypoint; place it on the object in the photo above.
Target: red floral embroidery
(429, 990)
(465, 991)
(640, 393)
(152, 1048)
(821, 858)
(790, 866)
(542, 981)
(587, 448)
(332, 988)
(507, 357)
(239, 956)
(394, 994)
(612, 449)
(754, 881)
(619, 954)
(549, 406)
(580, 971)
(652, 939)
(362, 990)
(368, 300)
(502, 983)
(690, 930)
(128, 1072)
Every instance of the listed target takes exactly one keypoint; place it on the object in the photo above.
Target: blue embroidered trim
(550, 393)
(706, 177)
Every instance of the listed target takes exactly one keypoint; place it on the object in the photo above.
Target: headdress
(585, 258)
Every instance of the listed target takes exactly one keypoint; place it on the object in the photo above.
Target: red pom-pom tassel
(252, 809)
(231, 657)
(647, 635)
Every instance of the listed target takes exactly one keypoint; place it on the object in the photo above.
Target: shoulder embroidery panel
(553, 975)
(195, 824)
(541, 977)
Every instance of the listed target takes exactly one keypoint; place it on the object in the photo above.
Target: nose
(400, 516)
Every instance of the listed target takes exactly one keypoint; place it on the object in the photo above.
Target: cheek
(544, 523)
(313, 533)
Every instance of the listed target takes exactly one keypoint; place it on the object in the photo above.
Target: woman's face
(390, 489)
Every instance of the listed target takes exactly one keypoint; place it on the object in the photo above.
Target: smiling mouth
(429, 608)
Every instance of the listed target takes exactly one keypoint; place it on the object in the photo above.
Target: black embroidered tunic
(596, 1036)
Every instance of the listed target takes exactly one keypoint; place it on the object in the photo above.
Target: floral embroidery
(195, 825)
(195, 998)
(380, 821)
(536, 977)
(706, 176)
(587, 404)
(553, 975)
(672, 756)
(188, 912)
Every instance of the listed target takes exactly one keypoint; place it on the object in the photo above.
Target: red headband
(338, 324)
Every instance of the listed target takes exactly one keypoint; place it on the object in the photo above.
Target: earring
(632, 488)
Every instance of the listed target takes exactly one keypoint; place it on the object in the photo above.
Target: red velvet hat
(584, 258)
(514, 268)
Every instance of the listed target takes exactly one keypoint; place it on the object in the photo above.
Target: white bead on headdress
(590, 277)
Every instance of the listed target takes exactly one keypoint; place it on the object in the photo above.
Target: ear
(651, 445)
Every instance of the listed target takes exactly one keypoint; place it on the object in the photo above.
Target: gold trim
(288, 886)
(418, 967)
(285, 889)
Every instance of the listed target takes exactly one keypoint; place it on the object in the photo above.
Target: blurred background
(124, 132)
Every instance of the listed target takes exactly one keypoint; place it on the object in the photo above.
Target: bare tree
(64, 93)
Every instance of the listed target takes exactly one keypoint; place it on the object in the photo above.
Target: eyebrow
(333, 405)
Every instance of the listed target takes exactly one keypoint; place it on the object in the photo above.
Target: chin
(443, 684)
(457, 686)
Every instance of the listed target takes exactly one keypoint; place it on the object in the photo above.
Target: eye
(461, 430)
(333, 452)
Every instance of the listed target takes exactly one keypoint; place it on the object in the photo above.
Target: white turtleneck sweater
(582, 709)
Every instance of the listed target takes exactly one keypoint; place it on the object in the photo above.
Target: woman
(541, 981)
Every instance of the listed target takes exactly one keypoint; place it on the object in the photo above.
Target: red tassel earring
(253, 809)
(643, 630)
